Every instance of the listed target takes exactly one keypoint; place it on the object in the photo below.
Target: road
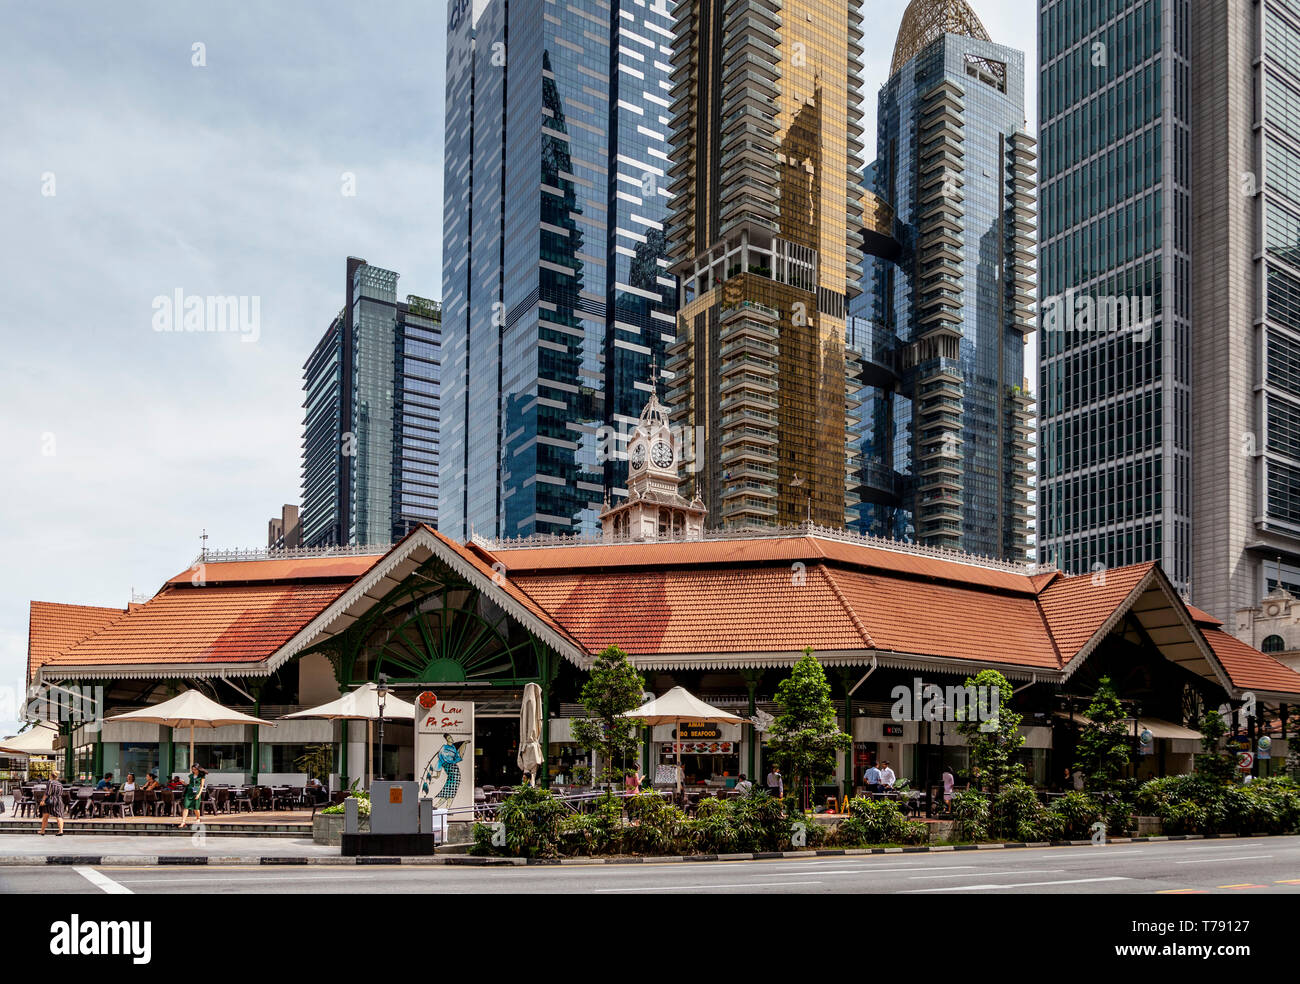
(1259, 865)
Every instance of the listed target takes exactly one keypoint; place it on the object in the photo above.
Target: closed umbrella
(673, 708)
(361, 704)
(530, 755)
(189, 710)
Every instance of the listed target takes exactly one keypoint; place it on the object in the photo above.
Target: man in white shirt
(887, 776)
(744, 785)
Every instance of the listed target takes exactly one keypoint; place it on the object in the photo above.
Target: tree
(1104, 746)
(1212, 762)
(991, 730)
(805, 738)
(612, 688)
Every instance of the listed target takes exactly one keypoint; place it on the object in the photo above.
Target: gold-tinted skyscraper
(766, 224)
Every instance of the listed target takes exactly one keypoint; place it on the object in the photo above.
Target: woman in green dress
(194, 795)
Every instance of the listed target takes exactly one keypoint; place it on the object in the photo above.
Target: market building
(723, 613)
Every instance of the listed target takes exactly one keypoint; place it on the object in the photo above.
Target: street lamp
(382, 693)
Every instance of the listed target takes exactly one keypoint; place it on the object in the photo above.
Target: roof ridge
(852, 612)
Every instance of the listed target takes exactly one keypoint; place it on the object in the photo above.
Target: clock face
(637, 455)
(661, 454)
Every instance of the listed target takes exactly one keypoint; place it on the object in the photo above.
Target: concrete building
(285, 531)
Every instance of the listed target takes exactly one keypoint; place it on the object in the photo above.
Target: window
(1273, 644)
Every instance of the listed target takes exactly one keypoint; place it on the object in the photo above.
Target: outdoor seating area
(82, 801)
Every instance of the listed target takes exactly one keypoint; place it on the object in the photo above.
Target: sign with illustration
(444, 751)
(703, 748)
(699, 731)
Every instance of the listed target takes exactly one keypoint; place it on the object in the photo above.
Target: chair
(242, 797)
(208, 804)
(126, 805)
(146, 798)
(166, 804)
(24, 803)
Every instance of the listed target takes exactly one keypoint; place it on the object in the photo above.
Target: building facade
(949, 302)
(284, 532)
(371, 428)
(1115, 354)
(765, 236)
(556, 290)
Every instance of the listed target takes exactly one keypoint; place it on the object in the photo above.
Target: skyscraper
(1115, 476)
(765, 236)
(1245, 301)
(946, 456)
(370, 437)
(556, 291)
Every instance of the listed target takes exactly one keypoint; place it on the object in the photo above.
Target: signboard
(892, 730)
(444, 752)
(699, 731)
(1244, 761)
(1264, 751)
(703, 748)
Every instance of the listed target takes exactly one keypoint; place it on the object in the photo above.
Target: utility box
(394, 808)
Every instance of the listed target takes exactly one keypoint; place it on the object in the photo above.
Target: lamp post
(382, 694)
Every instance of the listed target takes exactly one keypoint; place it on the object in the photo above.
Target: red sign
(428, 699)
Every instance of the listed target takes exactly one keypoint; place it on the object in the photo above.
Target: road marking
(688, 888)
(101, 881)
(1044, 871)
(1240, 857)
(1287, 881)
(994, 886)
(1238, 888)
(1183, 891)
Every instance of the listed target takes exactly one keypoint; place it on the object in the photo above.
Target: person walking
(948, 782)
(52, 804)
(194, 795)
(887, 777)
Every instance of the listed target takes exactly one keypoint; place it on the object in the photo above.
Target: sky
(207, 148)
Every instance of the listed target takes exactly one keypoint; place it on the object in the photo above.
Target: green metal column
(343, 755)
(68, 761)
(751, 678)
(97, 769)
(166, 756)
(848, 728)
(544, 661)
(647, 735)
(257, 731)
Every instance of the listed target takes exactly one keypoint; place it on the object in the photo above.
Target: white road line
(994, 886)
(1240, 857)
(1044, 871)
(691, 888)
(101, 881)
(871, 871)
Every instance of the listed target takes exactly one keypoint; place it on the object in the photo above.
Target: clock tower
(653, 509)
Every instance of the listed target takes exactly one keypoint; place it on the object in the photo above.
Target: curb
(475, 861)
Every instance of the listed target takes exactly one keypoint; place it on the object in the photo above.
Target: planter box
(1148, 827)
(328, 828)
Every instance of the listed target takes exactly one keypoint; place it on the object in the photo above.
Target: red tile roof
(212, 624)
(762, 595)
(1248, 668)
(53, 627)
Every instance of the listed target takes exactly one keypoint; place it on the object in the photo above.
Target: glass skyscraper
(940, 331)
(371, 432)
(766, 236)
(1115, 483)
(556, 293)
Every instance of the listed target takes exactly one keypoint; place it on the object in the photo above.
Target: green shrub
(657, 827)
(1077, 812)
(533, 820)
(970, 814)
(597, 832)
(872, 822)
(1201, 804)
(1017, 815)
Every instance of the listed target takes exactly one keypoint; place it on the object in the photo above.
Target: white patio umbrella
(673, 708)
(38, 740)
(530, 756)
(362, 704)
(189, 710)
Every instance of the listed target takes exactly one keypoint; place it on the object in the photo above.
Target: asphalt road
(1260, 865)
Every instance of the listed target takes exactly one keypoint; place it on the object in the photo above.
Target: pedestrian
(52, 804)
(743, 786)
(780, 782)
(872, 778)
(887, 777)
(1078, 780)
(948, 782)
(194, 795)
(773, 781)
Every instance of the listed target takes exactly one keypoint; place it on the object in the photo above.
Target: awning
(1158, 727)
